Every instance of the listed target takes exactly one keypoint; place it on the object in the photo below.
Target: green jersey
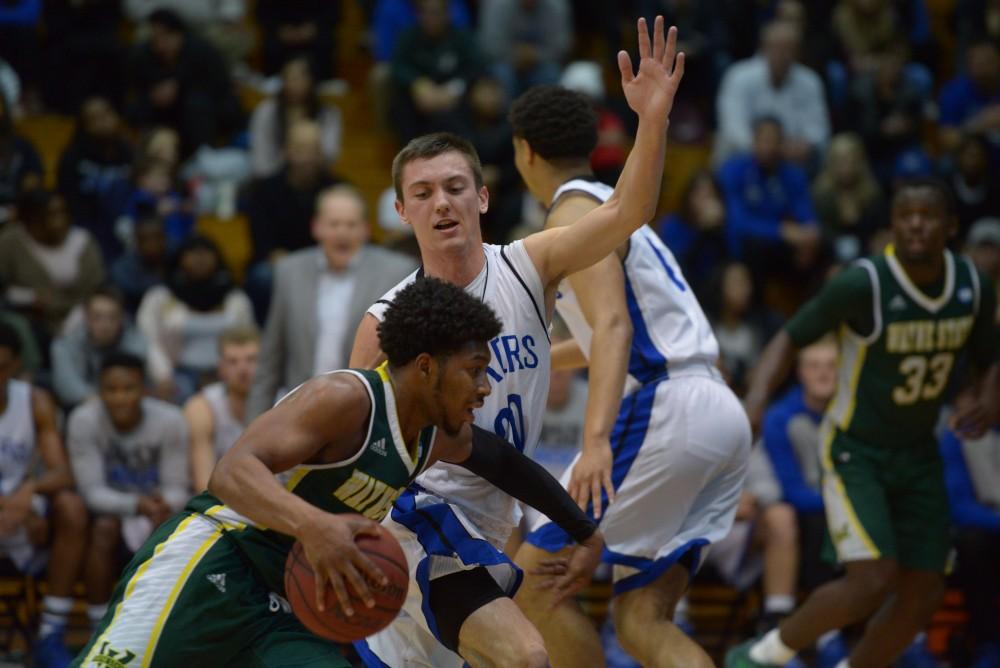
(900, 344)
(367, 483)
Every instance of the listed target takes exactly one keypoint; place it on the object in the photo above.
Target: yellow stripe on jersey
(841, 503)
(297, 475)
(154, 637)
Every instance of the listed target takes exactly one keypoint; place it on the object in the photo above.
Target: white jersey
(669, 329)
(17, 436)
(519, 375)
(226, 429)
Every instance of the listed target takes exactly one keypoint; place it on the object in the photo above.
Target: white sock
(55, 610)
(826, 637)
(681, 611)
(770, 649)
(779, 604)
(844, 663)
(96, 612)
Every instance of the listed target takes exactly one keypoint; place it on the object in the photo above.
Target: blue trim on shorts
(367, 656)
(651, 569)
(627, 438)
(441, 533)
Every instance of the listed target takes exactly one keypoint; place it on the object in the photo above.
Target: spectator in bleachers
(773, 83)
(770, 219)
(886, 108)
(525, 41)
(97, 157)
(983, 246)
(741, 327)
(151, 190)
(864, 28)
(217, 415)
(38, 508)
(972, 474)
(10, 87)
(976, 19)
(20, 166)
(84, 46)
(281, 207)
(695, 233)
(129, 456)
(177, 79)
(19, 40)
(220, 22)
(30, 358)
(272, 118)
(294, 27)
(848, 200)
(493, 138)
(320, 295)
(46, 265)
(145, 264)
(77, 352)
(971, 101)
(608, 157)
(975, 183)
(182, 319)
(433, 68)
(393, 17)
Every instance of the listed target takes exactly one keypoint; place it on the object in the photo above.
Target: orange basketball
(332, 623)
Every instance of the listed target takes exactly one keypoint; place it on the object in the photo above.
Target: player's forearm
(775, 363)
(991, 392)
(608, 369)
(52, 481)
(638, 189)
(568, 355)
(245, 484)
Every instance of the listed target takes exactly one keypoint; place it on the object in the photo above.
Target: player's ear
(425, 365)
(401, 211)
(484, 199)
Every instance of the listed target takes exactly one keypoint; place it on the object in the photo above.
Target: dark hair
(118, 359)
(10, 339)
(436, 317)
(33, 205)
(558, 123)
(431, 146)
(313, 105)
(932, 182)
(107, 291)
(768, 119)
(167, 18)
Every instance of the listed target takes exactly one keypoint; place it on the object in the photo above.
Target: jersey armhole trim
(368, 435)
(876, 303)
(538, 312)
(976, 288)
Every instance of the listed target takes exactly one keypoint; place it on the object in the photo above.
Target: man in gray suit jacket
(319, 296)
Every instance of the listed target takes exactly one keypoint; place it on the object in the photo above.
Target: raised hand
(651, 91)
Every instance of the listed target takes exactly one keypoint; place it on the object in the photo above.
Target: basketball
(332, 624)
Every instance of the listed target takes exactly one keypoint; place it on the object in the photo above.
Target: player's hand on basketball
(565, 576)
(329, 546)
(591, 474)
(651, 91)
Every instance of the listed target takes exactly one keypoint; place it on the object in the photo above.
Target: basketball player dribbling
(453, 527)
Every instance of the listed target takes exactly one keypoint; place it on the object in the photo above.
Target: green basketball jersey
(892, 382)
(367, 483)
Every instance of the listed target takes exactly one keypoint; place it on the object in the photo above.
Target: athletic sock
(778, 604)
(55, 611)
(96, 612)
(770, 649)
(844, 663)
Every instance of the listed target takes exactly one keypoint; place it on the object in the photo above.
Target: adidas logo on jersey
(378, 447)
(219, 580)
(897, 303)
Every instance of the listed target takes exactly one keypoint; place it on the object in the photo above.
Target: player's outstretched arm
(650, 93)
(771, 371)
(324, 420)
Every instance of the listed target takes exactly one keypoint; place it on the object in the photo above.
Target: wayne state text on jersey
(924, 336)
(511, 353)
(368, 495)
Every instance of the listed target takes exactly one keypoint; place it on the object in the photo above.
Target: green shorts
(885, 503)
(190, 598)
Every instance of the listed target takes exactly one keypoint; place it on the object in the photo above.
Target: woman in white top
(296, 100)
(182, 320)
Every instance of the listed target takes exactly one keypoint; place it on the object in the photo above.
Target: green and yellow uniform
(901, 346)
(207, 588)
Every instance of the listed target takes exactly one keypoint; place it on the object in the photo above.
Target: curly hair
(558, 123)
(436, 317)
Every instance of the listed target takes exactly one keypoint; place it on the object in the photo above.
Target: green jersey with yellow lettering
(367, 483)
(900, 344)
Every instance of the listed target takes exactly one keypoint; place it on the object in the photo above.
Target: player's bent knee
(105, 533)
(873, 580)
(69, 510)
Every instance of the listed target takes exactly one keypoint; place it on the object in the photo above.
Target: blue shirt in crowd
(960, 100)
(795, 489)
(392, 17)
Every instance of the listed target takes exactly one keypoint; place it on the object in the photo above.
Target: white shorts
(680, 449)
(438, 539)
(16, 546)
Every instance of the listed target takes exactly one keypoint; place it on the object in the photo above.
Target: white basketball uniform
(452, 520)
(226, 429)
(17, 456)
(681, 439)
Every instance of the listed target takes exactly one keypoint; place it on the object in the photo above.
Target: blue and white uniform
(681, 439)
(17, 457)
(452, 520)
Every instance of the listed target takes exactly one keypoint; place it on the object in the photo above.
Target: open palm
(651, 91)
